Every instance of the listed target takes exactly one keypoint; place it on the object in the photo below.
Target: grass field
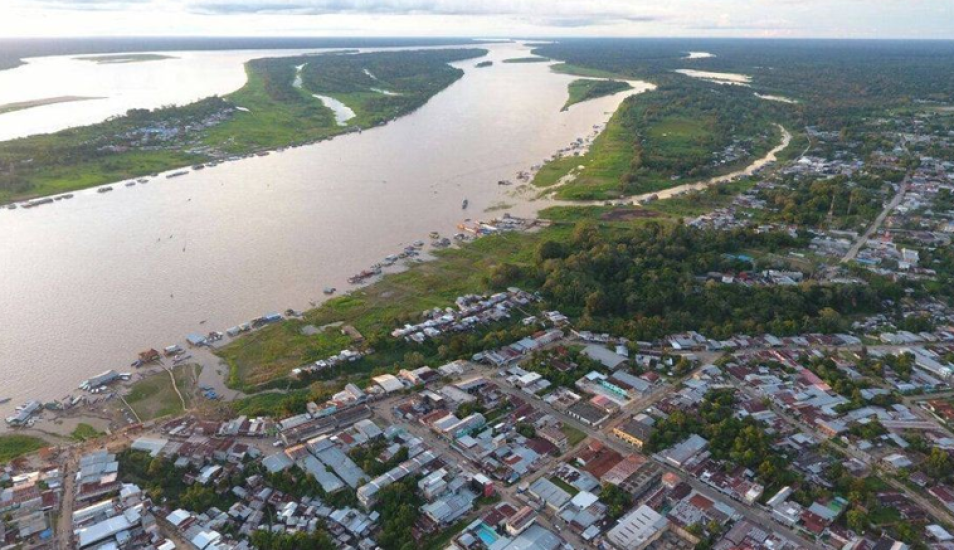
(154, 396)
(15, 446)
(271, 353)
(573, 435)
(90, 173)
(84, 432)
(585, 89)
(603, 165)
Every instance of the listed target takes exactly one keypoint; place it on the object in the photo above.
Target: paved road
(895, 201)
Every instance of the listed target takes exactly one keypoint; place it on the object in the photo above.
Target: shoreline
(23, 105)
(521, 194)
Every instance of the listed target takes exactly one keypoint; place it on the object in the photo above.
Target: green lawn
(573, 435)
(15, 446)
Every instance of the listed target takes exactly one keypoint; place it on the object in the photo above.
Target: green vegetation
(15, 446)
(527, 60)
(741, 442)
(617, 500)
(163, 482)
(399, 506)
(578, 70)
(270, 353)
(274, 351)
(564, 485)
(125, 58)
(584, 90)
(267, 540)
(679, 131)
(85, 432)
(574, 436)
(154, 397)
(270, 111)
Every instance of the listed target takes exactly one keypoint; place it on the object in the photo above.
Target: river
(88, 282)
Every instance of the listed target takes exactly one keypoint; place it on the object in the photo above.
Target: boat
(5, 400)
(130, 183)
(435, 235)
(142, 180)
(106, 189)
(329, 290)
(198, 167)
(177, 174)
(463, 205)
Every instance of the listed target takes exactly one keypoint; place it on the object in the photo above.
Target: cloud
(566, 11)
(88, 5)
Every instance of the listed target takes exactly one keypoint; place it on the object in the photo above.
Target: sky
(481, 18)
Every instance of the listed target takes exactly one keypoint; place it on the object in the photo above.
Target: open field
(155, 397)
(14, 446)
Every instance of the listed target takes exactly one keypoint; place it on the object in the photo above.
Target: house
(634, 432)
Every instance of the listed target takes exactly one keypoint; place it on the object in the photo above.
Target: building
(634, 432)
(588, 414)
(637, 529)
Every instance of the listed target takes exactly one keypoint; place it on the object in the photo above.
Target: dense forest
(643, 284)
(835, 81)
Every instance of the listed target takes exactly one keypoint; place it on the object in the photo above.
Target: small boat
(130, 183)
(106, 189)
(463, 205)
(142, 180)
(177, 174)
(435, 235)
(329, 290)
(5, 400)
(198, 167)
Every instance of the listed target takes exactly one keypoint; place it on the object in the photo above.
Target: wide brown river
(86, 283)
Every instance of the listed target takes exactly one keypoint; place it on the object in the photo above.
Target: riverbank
(267, 113)
(586, 89)
(21, 105)
(223, 245)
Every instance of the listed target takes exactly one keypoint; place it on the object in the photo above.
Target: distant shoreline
(21, 105)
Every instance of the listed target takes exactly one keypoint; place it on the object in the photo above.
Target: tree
(617, 500)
